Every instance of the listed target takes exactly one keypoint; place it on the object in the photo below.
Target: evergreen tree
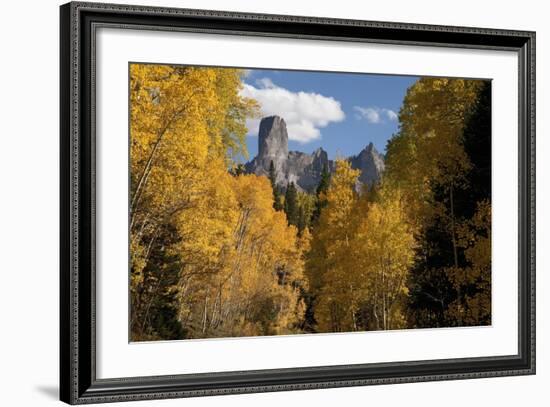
(442, 287)
(291, 204)
(325, 181)
(272, 175)
(322, 189)
(237, 170)
(473, 280)
(302, 220)
(276, 192)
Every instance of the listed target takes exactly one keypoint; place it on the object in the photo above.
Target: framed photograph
(254, 203)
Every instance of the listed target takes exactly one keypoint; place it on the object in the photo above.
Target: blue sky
(340, 112)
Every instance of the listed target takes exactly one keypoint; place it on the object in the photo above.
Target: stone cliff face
(301, 168)
(272, 146)
(371, 164)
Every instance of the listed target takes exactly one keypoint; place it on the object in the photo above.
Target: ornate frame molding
(79, 21)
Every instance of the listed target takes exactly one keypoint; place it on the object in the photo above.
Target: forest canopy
(216, 251)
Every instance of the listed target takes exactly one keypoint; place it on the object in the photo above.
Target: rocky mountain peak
(305, 169)
(319, 152)
(272, 147)
(273, 139)
(370, 162)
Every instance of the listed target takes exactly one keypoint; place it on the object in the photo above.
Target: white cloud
(372, 115)
(375, 114)
(391, 114)
(265, 83)
(305, 113)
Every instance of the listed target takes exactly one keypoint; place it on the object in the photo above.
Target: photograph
(284, 202)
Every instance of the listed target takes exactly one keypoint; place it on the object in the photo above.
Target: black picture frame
(78, 382)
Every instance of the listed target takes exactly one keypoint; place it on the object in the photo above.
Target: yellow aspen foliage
(333, 231)
(383, 252)
(210, 256)
(434, 113)
(439, 161)
(251, 290)
(429, 147)
(475, 238)
(329, 270)
(360, 257)
(205, 245)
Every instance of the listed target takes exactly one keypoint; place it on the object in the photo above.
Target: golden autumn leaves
(361, 251)
(209, 254)
(440, 161)
(211, 257)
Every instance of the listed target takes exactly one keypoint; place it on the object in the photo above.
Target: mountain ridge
(305, 169)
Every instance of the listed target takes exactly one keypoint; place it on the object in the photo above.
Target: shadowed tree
(291, 204)
(277, 205)
(320, 193)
